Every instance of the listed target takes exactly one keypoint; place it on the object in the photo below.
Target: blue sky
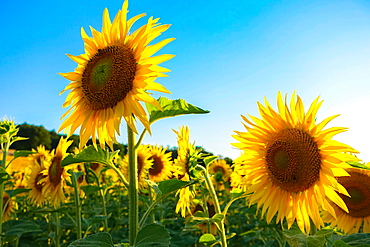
(229, 54)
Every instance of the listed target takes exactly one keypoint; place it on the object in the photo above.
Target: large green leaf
(168, 186)
(90, 154)
(20, 227)
(296, 238)
(358, 240)
(152, 235)
(101, 239)
(172, 108)
(22, 153)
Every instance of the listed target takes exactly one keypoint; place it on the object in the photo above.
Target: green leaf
(90, 154)
(357, 165)
(207, 239)
(101, 239)
(22, 153)
(359, 239)
(90, 189)
(17, 191)
(172, 108)
(208, 160)
(168, 186)
(155, 186)
(20, 227)
(218, 217)
(152, 235)
(296, 238)
(4, 176)
(340, 243)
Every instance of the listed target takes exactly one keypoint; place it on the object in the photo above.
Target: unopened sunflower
(186, 151)
(113, 76)
(55, 176)
(291, 162)
(358, 216)
(162, 168)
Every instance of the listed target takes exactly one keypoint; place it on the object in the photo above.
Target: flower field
(292, 185)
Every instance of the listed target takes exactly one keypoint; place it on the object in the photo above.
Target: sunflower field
(292, 185)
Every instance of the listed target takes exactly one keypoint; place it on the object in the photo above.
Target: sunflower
(36, 194)
(185, 152)
(19, 170)
(221, 173)
(290, 162)
(55, 176)
(144, 163)
(162, 168)
(112, 77)
(358, 215)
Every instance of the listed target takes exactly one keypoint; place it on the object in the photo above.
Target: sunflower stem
(4, 149)
(57, 228)
(214, 198)
(134, 187)
(120, 175)
(102, 194)
(77, 205)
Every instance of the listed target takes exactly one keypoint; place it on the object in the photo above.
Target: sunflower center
(358, 188)
(157, 167)
(56, 171)
(108, 76)
(293, 160)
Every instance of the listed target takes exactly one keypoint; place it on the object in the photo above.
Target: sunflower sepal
(171, 108)
(358, 165)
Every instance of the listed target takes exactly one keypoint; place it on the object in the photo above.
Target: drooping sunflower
(185, 152)
(36, 194)
(55, 176)
(112, 77)
(162, 168)
(358, 216)
(38, 163)
(144, 163)
(290, 162)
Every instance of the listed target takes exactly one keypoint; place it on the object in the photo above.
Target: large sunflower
(358, 186)
(290, 162)
(162, 168)
(55, 176)
(112, 77)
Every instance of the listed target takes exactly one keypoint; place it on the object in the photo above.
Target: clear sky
(229, 55)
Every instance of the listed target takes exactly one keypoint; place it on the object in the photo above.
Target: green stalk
(205, 208)
(133, 188)
(102, 194)
(57, 229)
(214, 198)
(5, 149)
(77, 206)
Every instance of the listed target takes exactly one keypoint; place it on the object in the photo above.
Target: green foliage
(207, 239)
(101, 239)
(90, 154)
(296, 238)
(152, 235)
(14, 229)
(172, 108)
